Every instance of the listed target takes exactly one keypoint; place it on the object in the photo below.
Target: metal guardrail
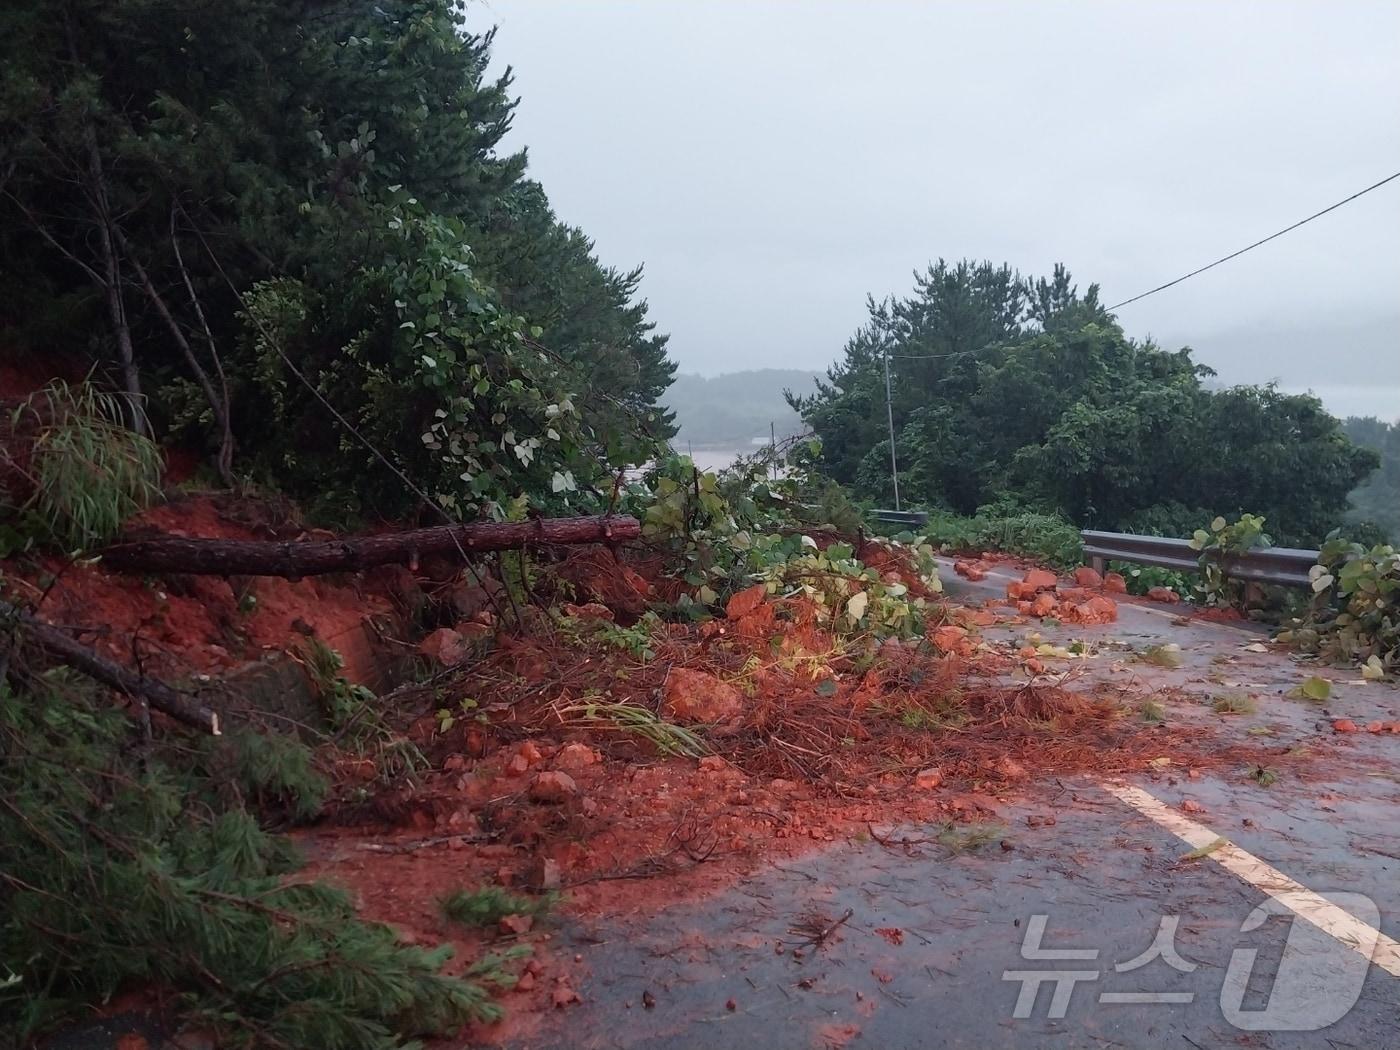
(901, 517)
(1284, 566)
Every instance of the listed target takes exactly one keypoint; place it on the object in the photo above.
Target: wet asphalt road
(1102, 878)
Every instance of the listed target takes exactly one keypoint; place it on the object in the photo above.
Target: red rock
(474, 632)
(552, 787)
(697, 696)
(575, 757)
(1074, 595)
(564, 994)
(745, 601)
(543, 874)
(949, 638)
(516, 924)
(1114, 582)
(445, 647)
(1163, 594)
(928, 779)
(714, 763)
(1010, 769)
(525, 982)
(1044, 604)
(1192, 806)
(1097, 609)
(969, 571)
(1375, 727)
(1024, 608)
(454, 763)
(1344, 725)
(587, 611)
(1037, 580)
(1087, 577)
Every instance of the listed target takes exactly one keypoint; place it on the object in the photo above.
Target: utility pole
(889, 418)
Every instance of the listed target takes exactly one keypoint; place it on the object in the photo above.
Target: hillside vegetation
(1022, 393)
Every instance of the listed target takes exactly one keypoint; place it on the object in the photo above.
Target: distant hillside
(1377, 499)
(734, 408)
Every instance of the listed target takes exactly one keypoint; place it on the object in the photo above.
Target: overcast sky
(771, 163)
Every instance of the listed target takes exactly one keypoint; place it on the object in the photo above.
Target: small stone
(454, 763)
(517, 924)
(445, 647)
(573, 758)
(544, 874)
(553, 787)
(525, 982)
(928, 779)
(731, 1005)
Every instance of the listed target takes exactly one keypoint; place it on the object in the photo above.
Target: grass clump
(635, 720)
(489, 905)
(87, 472)
(963, 838)
(1234, 704)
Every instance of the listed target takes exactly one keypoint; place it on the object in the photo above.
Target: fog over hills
(735, 408)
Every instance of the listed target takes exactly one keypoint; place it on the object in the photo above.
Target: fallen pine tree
(297, 558)
(66, 650)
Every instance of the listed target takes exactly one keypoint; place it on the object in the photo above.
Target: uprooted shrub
(1355, 615)
(727, 532)
(127, 866)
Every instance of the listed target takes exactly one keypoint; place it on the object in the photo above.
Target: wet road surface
(935, 950)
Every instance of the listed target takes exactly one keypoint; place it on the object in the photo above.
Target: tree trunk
(112, 280)
(66, 650)
(218, 405)
(299, 558)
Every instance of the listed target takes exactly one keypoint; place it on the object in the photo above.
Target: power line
(1256, 244)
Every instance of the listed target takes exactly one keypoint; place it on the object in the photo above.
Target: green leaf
(1315, 688)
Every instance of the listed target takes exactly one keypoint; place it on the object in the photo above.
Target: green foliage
(1009, 388)
(490, 904)
(343, 703)
(1217, 544)
(85, 469)
(1376, 501)
(1043, 537)
(369, 234)
(1355, 615)
(636, 639)
(635, 720)
(1142, 578)
(1233, 704)
(126, 866)
(730, 531)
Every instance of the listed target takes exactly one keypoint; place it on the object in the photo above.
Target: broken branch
(69, 651)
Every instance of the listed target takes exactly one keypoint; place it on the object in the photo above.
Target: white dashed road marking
(1346, 928)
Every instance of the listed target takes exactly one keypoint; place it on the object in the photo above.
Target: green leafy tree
(1027, 394)
(212, 195)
